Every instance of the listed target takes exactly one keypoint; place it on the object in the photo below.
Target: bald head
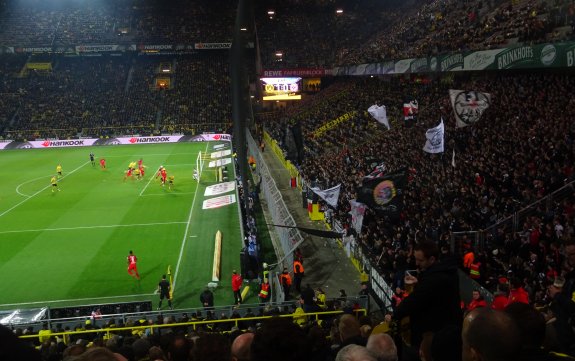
(355, 353)
(382, 346)
(348, 327)
(489, 335)
(241, 347)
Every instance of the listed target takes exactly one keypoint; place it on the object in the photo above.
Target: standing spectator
(298, 273)
(382, 346)
(434, 302)
(164, 290)
(517, 292)
(285, 281)
(500, 297)
(237, 281)
(477, 301)
(207, 299)
(563, 310)
(241, 347)
(489, 335)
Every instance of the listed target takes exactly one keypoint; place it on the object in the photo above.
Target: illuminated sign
(286, 88)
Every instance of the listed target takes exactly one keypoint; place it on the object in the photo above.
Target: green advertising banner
(557, 55)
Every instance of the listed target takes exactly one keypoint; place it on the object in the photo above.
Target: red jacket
(236, 282)
(476, 304)
(518, 295)
(499, 302)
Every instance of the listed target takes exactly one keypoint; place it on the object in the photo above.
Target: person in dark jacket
(207, 299)
(434, 302)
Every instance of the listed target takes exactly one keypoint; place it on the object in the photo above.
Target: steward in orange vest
(298, 273)
(285, 281)
(264, 292)
(474, 272)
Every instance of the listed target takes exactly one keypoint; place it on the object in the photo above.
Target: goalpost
(199, 167)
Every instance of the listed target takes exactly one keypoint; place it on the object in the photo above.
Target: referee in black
(164, 290)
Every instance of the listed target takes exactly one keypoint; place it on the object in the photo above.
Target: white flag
(379, 113)
(434, 136)
(357, 212)
(468, 106)
(331, 195)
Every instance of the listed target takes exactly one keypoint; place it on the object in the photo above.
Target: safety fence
(289, 238)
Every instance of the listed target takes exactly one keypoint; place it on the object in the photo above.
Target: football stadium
(287, 180)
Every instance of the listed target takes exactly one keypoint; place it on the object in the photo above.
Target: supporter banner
(379, 113)
(219, 201)
(435, 139)
(303, 73)
(331, 195)
(468, 106)
(410, 109)
(385, 194)
(220, 188)
(99, 48)
(221, 153)
(212, 46)
(219, 162)
(357, 211)
(377, 172)
(333, 123)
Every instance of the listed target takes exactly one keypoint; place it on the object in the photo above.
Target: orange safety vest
(295, 264)
(264, 292)
(285, 279)
(474, 270)
(468, 259)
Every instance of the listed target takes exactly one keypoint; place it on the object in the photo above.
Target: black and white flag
(330, 195)
(435, 139)
(379, 113)
(468, 106)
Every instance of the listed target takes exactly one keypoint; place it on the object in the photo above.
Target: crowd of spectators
(50, 24)
(106, 96)
(306, 33)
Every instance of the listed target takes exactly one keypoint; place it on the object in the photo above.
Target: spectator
(382, 346)
(428, 309)
(489, 335)
(279, 339)
(355, 353)
(241, 347)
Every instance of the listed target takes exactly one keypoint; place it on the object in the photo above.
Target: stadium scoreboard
(286, 88)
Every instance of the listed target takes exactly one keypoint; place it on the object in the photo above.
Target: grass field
(70, 247)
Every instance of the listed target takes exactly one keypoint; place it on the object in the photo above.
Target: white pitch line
(186, 234)
(29, 181)
(163, 194)
(94, 227)
(147, 184)
(75, 299)
(48, 186)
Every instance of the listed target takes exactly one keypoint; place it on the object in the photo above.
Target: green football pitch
(70, 247)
